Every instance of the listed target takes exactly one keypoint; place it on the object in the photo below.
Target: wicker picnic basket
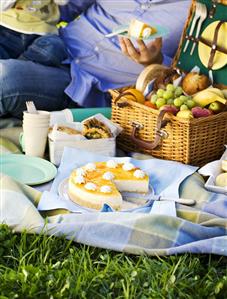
(163, 135)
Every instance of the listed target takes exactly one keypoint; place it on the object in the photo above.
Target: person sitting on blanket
(28, 37)
(97, 63)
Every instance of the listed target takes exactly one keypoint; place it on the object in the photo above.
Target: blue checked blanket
(198, 229)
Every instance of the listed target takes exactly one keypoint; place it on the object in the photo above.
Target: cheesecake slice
(98, 183)
(141, 30)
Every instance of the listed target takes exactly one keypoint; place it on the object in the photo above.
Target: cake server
(144, 198)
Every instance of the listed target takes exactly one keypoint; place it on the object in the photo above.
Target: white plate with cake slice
(95, 184)
(131, 200)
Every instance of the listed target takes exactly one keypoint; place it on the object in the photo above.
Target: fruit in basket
(170, 108)
(194, 82)
(160, 102)
(178, 102)
(224, 91)
(154, 98)
(134, 95)
(178, 91)
(217, 91)
(168, 94)
(216, 107)
(150, 104)
(221, 180)
(185, 114)
(201, 112)
(170, 87)
(207, 96)
(183, 107)
(190, 103)
(160, 92)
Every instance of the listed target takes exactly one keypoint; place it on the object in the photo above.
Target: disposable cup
(35, 139)
(35, 123)
(35, 131)
(35, 116)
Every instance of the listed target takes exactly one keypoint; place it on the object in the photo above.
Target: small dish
(212, 170)
(27, 170)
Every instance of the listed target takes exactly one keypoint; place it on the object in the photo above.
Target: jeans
(31, 69)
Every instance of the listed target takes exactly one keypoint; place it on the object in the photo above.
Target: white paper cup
(35, 131)
(35, 116)
(35, 124)
(35, 139)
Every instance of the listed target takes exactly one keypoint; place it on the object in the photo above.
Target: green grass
(48, 267)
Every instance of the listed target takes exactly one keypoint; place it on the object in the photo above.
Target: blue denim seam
(44, 52)
(27, 94)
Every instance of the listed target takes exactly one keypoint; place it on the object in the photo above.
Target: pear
(185, 114)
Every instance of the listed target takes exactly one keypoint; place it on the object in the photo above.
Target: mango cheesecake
(139, 29)
(98, 183)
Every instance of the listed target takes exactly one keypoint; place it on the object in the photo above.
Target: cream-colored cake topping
(128, 166)
(111, 164)
(146, 32)
(108, 176)
(90, 167)
(139, 29)
(106, 189)
(91, 186)
(140, 174)
(79, 179)
(80, 171)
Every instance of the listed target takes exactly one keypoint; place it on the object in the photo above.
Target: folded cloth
(193, 230)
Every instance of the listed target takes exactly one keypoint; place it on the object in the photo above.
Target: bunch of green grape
(172, 95)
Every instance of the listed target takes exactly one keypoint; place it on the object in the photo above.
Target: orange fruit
(151, 105)
(135, 95)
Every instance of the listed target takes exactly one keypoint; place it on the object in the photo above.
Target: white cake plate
(131, 200)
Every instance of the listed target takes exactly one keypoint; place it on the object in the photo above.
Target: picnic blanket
(198, 229)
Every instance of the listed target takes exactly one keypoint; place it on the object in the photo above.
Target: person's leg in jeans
(21, 81)
(13, 44)
(47, 50)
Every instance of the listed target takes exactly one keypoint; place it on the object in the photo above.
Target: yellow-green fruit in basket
(135, 95)
(224, 91)
(160, 102)
(217, 91)
(183, 107)
(206, 97)
(185, 114)
(216, 107)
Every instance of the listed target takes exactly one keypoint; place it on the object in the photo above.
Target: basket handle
(123, 104)
(161, 123)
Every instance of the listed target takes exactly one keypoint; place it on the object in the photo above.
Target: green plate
(26, 169)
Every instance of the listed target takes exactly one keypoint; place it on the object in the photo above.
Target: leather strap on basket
(214, 45)
(161, 123)
(123, 103)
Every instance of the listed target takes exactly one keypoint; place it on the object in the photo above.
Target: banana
(206, 97)
(224, 91)
(217, 91)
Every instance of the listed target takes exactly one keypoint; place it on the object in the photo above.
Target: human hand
(145, 54)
